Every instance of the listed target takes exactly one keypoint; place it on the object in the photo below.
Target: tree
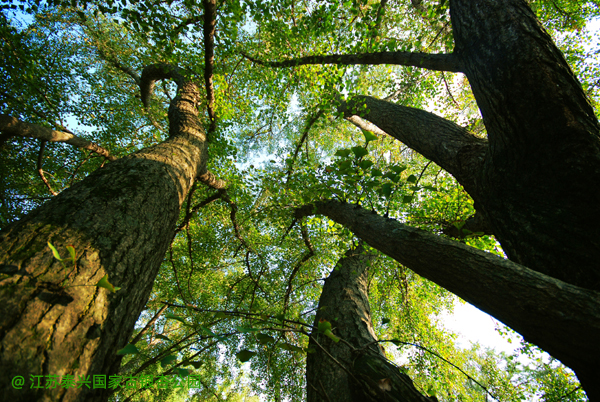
(531, 179)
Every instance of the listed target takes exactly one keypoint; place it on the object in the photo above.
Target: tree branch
(447, 144)
(307, 128)
(12, 126)
(430, 61)
(39, 167)
(209, 59)
(530, 302)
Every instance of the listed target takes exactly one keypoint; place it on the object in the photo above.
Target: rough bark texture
(355, 369)
(561, 318)
(120, 221)
(535, 180)
(538, 187)
(446, 143)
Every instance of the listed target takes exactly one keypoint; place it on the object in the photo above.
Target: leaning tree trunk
(539, 183)
(561, 318)
(120, 221)
(355, 369)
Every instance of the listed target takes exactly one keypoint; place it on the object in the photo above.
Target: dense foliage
(242, 277)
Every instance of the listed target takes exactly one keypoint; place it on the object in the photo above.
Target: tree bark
(535, 180)
(354, 369)
(120, 221)
(561, 318)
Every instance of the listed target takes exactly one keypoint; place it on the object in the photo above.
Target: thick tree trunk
(561, 318)
(535, 180)
(120, 221)
(355, 368)
(539, 184)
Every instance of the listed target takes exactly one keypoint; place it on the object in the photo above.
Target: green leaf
(196, 364)
(244, 330)
(245, 355)
(221, 315)
(264, 339)
(392, 176)
(290, 347)
(369, 136)
(280, 317)
(385, 320)
(161, 336)
(342, 152)
(398, 169)
(54, 252)
(128, 350)
(172, 316)
(376, 172)
(365, 164)
(331, 336)
(386, 189)
(345, 164)
(407, 199)
(360, 151)
(323, 325)
(182, 372)
(168, 359)
(104, 283)
(411, 179)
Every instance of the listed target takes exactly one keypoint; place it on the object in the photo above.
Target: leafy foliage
(241, 284)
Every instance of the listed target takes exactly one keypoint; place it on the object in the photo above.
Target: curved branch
(430, 61)
(559, 317)
(157, 72)
(12, 126)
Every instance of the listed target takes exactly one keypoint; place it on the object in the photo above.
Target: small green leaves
(324, 327)
(54, 252)
(128, 350)
(104, 283)
(245, 355)
(71, 251)
(264, 339)
(343, 153)
(369, 136)
(386, 189)
(290, 347)
(359, 152)
(168, 359)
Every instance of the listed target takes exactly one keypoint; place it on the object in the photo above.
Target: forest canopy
(196, 170)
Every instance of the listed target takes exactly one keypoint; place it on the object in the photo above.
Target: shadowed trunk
(120, 221)
(561, 318)
(353, 369)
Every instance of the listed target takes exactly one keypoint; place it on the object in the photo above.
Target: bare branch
(150, 323)
(14, 127)
(307, 128)
(39, 167)
(437, 61)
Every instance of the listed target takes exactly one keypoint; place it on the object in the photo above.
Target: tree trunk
(539, 184)
(561, 318)
(120, 221)
(353, 369)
